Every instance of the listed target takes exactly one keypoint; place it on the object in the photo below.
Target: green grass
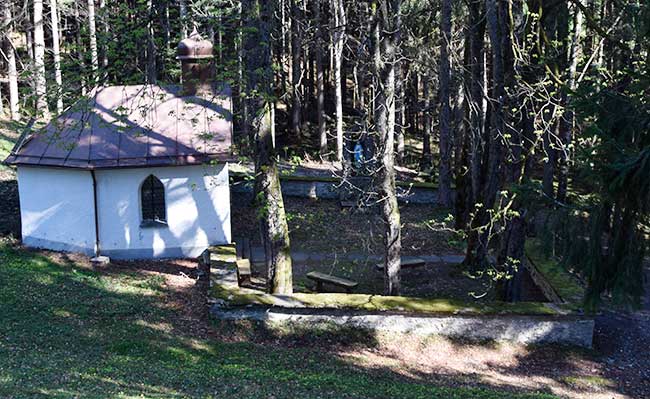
(7, 141)
(557, 276)
(589, 380)
(70, 332)
(5, 149)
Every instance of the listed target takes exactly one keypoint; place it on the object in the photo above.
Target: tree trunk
(14, 107)
(444, 177)
(550, 133)
(151, 45)
(427, 160)
(29, 44)
(320, 82)
(567, 123)
(338, 38)
(497, 123)
(78, 53)
(92, 31)
(390, 21)
(401, 105)
(182, 8)
(268, 194)
(104, 19)
(477, 99)
(463, 138)
(56, 54)
(39, 61)
(296, 67)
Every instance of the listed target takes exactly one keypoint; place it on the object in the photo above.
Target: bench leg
(319, 286)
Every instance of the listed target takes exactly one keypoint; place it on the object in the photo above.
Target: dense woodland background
(532, 117)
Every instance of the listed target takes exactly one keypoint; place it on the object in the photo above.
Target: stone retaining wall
(323, 189)
(569, 330)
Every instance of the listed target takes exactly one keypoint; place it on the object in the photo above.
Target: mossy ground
(565, 284)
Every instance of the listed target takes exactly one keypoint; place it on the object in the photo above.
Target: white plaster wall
(56, 208)
(198, 211)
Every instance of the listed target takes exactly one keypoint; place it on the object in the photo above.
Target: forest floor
(323, 226)
(347, 242)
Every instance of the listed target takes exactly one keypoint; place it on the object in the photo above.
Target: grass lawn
(68, 331)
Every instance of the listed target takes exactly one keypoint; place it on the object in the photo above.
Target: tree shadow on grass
(68, 330)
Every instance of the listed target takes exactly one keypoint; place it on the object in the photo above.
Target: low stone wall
(568, 330)
(327, 189)
(523, 322)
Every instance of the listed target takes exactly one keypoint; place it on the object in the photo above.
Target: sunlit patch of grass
(589, 380)
(62, 313)
(5, 148)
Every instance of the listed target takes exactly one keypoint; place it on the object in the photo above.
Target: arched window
(152, 196)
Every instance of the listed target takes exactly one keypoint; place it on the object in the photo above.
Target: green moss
(557, 276)
(589, 380)
(242, 297)
(223, 253)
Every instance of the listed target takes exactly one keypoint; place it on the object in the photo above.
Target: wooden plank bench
(406, 263)
(321, 278)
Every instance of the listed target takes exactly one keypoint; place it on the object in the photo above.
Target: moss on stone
(236, 296)
(223, 253)
(564, 284)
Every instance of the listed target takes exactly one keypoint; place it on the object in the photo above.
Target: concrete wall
(198, 212)
(329, 190)
(522, 329)
(56, 208)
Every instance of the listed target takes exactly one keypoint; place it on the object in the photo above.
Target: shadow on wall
(191, 232)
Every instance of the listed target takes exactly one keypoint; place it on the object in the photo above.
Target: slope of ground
(138, 330)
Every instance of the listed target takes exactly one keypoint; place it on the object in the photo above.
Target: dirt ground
(324, 226)
(430, 280)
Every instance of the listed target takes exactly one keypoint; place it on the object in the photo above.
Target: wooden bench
(406, 263)
(321, 278)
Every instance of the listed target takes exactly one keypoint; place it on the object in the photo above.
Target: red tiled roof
(130, 126)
